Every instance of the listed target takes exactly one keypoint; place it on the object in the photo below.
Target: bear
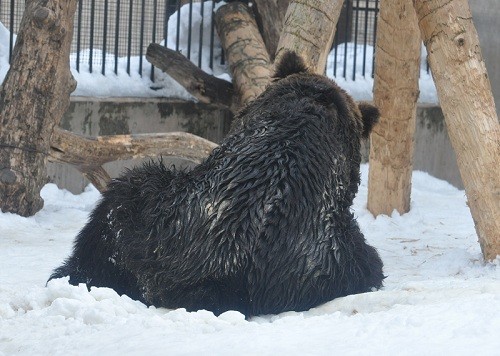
(262, 226)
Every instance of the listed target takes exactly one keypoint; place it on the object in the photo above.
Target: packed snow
(440, 297)
(123, 84)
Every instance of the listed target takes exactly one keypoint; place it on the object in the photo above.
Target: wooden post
(309, 29)
(33, 98)
(270, 15)
(397, 67)
(465, 96)
(245, 50)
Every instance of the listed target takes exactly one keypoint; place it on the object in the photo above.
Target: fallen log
(89, 154)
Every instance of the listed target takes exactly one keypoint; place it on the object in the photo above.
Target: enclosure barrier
(111, 34)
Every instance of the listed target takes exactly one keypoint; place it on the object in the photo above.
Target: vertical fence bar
(153, 36)
(141, 36)
(178, 33)
(335, 50)
(11, 29)
(374, 37)
(212, 34)
(356, 30)
(367, 5)
(117, 31)
(166, 17)
(344, 74)
(190, 22)
(91, 38)
(200, 47)
(79, 36)
(104, 36)
(129, 44)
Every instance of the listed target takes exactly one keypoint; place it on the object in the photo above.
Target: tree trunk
(245, 50)
(465, 96)
(397, 68)
(33, 98)
(204, 87)
(309, 30)
(270, 15)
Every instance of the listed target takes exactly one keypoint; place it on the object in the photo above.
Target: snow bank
(439, 295)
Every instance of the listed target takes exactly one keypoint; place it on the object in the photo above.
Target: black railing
(109, 33)
(354, 42)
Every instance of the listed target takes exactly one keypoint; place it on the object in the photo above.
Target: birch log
(465, 96)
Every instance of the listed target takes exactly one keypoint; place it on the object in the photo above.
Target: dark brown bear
(262, 226)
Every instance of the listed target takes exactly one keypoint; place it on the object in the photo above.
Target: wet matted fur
(262, 226)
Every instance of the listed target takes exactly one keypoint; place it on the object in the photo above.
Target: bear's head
(291, 67)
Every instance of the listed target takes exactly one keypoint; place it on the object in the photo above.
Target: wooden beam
(465, 96)
(270, 15)
(245, 50)
(397, 70)
(204, 87)
(309, 29)
(89, 154)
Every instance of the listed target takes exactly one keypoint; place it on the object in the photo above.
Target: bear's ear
(289, 63)
(369, 115)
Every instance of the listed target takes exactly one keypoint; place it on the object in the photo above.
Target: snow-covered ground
(440, 297)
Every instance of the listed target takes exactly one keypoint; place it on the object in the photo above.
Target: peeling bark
(33, 98)
(465, 96)
(397, 68)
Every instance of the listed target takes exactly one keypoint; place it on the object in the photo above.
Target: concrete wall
(95, 117)
(486, 17)
(433, 152)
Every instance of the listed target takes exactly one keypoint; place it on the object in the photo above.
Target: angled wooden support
(204, 87)
(245, 50)
(309, 29)
(465, 96)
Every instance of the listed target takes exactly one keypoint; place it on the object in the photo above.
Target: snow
(123, 84)
(362, 87)
(439, 295)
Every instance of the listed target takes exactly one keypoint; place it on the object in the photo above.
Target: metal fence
(113, 34)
